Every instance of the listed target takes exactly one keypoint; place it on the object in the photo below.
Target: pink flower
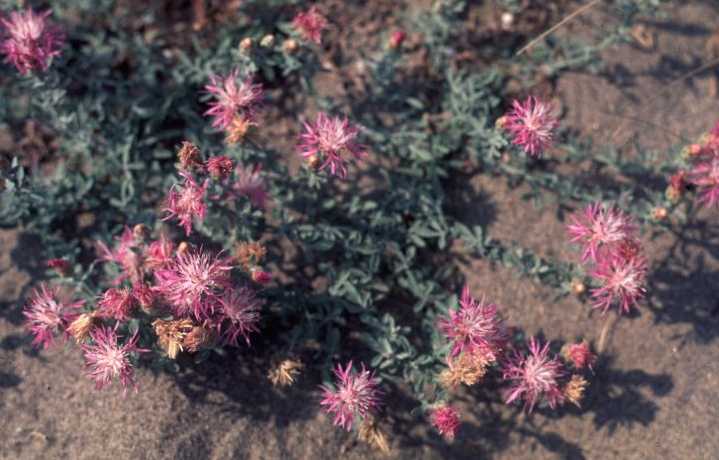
(310, 24)
(219, 167)
(397, 38)
(46, 315)
(30, 40)
(532, 124)
(116, 303)
(143, 294)
(534, 377)
(355, 394)
(186, 202)
(124, 255)
(159, 253)
(622, 276)
(232, 97)
(240, 311)
(330, 139)
(705, 175)
(599, 226)
(579, 355)
(249, 183)
(107, 360)
(191, 283)
(446, 420)
(475, 327)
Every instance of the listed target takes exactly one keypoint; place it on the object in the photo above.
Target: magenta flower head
(622, 276)
(534, 377)
(116, 303)
(46, 315)
(107, 360)
(705, 176)
(233, 97)
(240, 313)
(330, 140)
(310, 24)
(355, 394)
(191, 284)
(598, 226)
(186, 202)
(250, 183)
(475, 327)
(159, 253)
(30, 40)
(446, 420)
(219, 167)
(531, 124)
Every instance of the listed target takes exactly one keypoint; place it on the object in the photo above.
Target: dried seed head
(268, 41)
(370, 433)
(467, 368)
(189, 156)
(170, 334)
(198, 338)
(285, 373)
(81, 327)
(574, 391)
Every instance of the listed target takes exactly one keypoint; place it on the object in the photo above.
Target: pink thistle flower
(107, 360)
(116, 303)
(310, 24)
(186, 202)
(30, 40)
(531, 124)
(46, 315)
(123, 255)
(240, 310)
(579, 355)
(331, 139)
(191, 283)
(159, 253)
(232, 97)
(219, 167)
(355, 394)
(622, 275)
(598, 226)
(534, 377)
(250, 183)
(475, 327)
(705, 175)
(446, 420)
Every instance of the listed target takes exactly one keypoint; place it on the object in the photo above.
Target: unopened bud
(578, 287)
(396, 39)
(313, 161)
(260, 276)
(290, 45)
(659, 213)
(246, 44)
(268, 41)
(140, 232)
(182, 248)
(61, 266)
(501, 122)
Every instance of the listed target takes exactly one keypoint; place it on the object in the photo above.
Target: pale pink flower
(531, 124)
(30, 40)
(159, 253)
(124, 255)
(46, 315)
(446, 420)
(116, 303)
(705, 176)
(599, 226)
(331, 140)
(250, 183)
(107, 360)
(239, 309)
(233, 96)
(622, 279)
(219, 167)
(310, 24)
(186, 202)
(355, 394)
(534, 377)
(475, 327)
(192, 283)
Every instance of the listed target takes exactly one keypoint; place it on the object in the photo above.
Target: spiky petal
(239, 309)
(355, 394)
(46, 315)
(310, 24)
(107, 360)
(332, 140)
(531, 124)
(534, 377)
(186, 202)
(599, 226)
(233, 96)
(475, 328)
(446, 420)
(30, 40)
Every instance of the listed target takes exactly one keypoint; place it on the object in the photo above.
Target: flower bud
(61, 266)
(189, 156)
(140, 232)
(578, 287)
(290, 45)
(659, 213)
(182, 248)
(260, 276)
(268, 41)
(246, 45)
(396, 39)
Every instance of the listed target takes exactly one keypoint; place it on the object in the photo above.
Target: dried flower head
(579, 354)
(233, 96)
(46, 315)
(198, 338)
(467, 368)
(622, 278)
(531, 124)
(310, 24)
(219, 167)
(534, 377)
(574, 390)
(598, 226)
(285, 373)
(30, 40)
(250, 184)
(189, 156)
(107, 360)
(116, 303)
(191, 283)
(370, 433)
(446, 420)
(250, 254)
(171, 334)
(238, 129)
(81, 327)
(355, 394)
(475, 327)
(332, 139)
(240, 311)
(186, 202)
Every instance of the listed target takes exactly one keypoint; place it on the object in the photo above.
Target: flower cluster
(30, 40)
(531, 124)
(328, 142)
(702, 171)
(611, 250)
(356, 394)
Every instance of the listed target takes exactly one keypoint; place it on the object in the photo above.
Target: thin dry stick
(558, 25)
(606, 328)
